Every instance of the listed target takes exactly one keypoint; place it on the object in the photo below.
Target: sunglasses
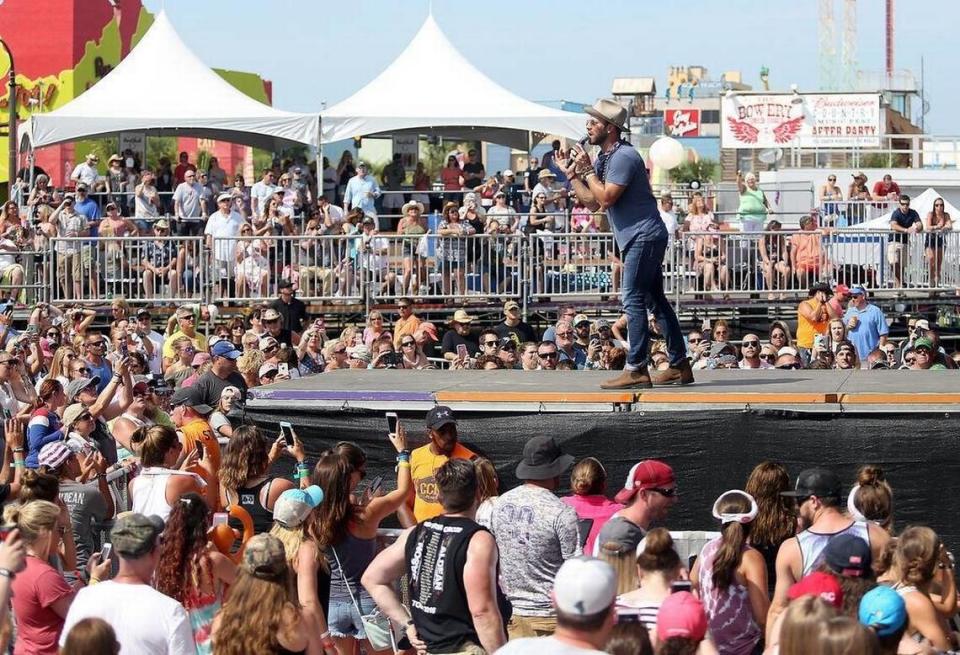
(9, 362)
(666, 493)
(548, 355)
(910, 361)
(81, 369)
(490, 344)
(751, 344)
(789, 367)
(694, 340)
(509, 346)
(564, 334)
(409, 344)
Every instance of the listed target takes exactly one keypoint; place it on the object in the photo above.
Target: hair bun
(870, 475)
(658, 541)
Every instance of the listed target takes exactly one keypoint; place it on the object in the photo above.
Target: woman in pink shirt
(588, 480)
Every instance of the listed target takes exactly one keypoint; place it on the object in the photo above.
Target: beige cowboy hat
(610, 111)
(461, 316)
(411, 205)
(545, 173)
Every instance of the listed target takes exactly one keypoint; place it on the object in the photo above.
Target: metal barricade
(848, 213)
(24, 275)
(571, 264)
(141, 269)
(435, 267)
(324, 268)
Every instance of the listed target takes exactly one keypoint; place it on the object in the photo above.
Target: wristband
(403, 464)
(325, 635)
(7, 573)
(19, 450)
(93, 581)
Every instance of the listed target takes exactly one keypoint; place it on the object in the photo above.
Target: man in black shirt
(512, 326)
(904, 221)
(222, 374)
(292, 310)
(459, 335)
(473, 171)
(452, 563)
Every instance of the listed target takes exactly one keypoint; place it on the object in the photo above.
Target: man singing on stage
(618, 184)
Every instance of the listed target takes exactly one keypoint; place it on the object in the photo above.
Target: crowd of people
(127, 231)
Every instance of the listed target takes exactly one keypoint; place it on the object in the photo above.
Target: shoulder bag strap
(345, 581)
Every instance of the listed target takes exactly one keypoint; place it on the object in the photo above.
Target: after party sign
(813, 120)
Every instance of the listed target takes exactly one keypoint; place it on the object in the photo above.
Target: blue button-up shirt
(356, 193)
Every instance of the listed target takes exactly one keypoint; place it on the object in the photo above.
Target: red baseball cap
(842, 288)
(647, 474)
(819, 584)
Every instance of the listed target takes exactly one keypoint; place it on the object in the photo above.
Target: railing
(375, 269)
(844, 213)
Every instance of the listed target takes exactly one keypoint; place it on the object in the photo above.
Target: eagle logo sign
(782, 133)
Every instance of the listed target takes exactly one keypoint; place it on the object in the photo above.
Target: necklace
(604, 158)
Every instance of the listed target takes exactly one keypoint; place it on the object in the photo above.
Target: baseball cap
(143, 312)
(226, 349)
(601, 323)
(820, 286)
(511, 305)
(819, 482)
(788, 350)
(190, 397)
(74, 387)
(267, 368)
(584, 586)
(923, 342)
(184, 311)
(134, 535)
(644, 475)
(264, 557)
(429, 328)
(285, 284)
(270, 315)
(200, 359)
(580, 318)
(360, 353)
(858, 291)
(162, 224)
(54, 454)
(848, 555)
(922, 324)
(439, 416)
(681, 615)
(267, 342)
(507, 172)
(224, 196)
(882, 609)
(820, 584)
(71, 414)
(842, 289)
(294, 505)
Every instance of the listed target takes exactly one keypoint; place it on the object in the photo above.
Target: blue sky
(318, 50)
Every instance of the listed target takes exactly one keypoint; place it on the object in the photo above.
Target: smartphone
(705, 326)
(105, 551)
(122, 348)
(220, 518)
(283, 369)
(680, 585)
(462, 353)
(198, 445)
(287, 431)
(32, 330)
(6, 529)
(392, 421)
(375, 485)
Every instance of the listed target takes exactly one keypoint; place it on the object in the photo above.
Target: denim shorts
(343, 619)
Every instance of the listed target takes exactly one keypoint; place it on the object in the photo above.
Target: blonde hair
(291, 538)
(588, 477)
(250, 361)
(32, 519)
(801, 624)
(843, 635)
(623, 564)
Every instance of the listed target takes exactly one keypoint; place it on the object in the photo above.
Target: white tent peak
(162, 87)
(923, 204)
(432, 85)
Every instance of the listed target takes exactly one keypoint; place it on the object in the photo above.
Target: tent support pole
(319, 178)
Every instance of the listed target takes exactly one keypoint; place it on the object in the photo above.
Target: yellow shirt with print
(423, 465)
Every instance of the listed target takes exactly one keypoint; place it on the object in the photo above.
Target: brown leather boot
(679, 374)
(638, 379)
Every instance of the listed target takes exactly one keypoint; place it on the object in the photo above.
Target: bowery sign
(789, 120)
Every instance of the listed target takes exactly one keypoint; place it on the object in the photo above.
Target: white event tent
(432, 88)
(923, 204)
(161, 88)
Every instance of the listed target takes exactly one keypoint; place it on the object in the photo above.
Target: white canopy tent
(923, 204)
(161, 88)
(432, 88)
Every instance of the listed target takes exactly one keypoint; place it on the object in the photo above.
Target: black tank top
(438, 599)
(249, 499)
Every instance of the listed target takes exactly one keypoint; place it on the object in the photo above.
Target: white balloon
(666, 152)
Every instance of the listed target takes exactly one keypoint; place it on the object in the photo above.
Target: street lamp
(12, 108)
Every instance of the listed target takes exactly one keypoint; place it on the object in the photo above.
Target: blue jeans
(643, 288)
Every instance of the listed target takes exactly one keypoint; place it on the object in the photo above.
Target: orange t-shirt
(403, 327)
(807, 249)
(806, 329)
(198, 429)
(423, 465)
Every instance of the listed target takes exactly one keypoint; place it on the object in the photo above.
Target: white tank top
(149, 491)
(812, 543)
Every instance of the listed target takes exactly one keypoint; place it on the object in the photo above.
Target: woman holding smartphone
(345, 526)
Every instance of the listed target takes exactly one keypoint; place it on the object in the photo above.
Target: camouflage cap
(134, 535)
(264, 557)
